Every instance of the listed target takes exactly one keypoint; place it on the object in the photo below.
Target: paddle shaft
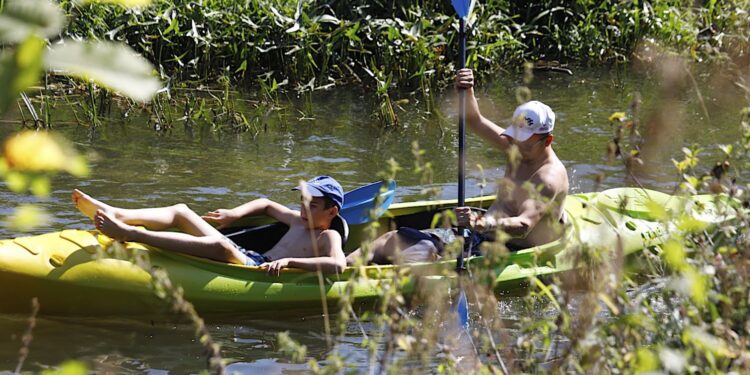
(461, 138)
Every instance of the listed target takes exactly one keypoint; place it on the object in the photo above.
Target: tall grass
(400, 50)
(411, 41)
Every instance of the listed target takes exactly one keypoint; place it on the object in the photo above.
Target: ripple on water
(328, 160)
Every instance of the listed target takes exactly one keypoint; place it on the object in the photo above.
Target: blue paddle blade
(461, 307)
(463, 7)
(359, 202)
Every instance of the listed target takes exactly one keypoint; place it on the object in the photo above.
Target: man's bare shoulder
(553, 178)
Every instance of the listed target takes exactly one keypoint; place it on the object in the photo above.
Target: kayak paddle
(359, 202)
(463, 10)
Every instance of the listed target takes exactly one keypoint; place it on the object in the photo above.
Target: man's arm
(332, 259)
(534, 207)
(532, 211)
(261, 206)
(485, 128)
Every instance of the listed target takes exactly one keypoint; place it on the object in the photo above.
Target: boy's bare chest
(296, 243)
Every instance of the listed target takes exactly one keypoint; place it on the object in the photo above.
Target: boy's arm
(331, 260)
(260, 206)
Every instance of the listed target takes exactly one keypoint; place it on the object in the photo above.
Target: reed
(412, 41)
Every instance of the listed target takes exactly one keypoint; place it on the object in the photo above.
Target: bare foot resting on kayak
(87, 205)
(112, 227)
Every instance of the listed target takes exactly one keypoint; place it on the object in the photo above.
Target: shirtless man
(529, 199)
(197, 237)
(531, 194)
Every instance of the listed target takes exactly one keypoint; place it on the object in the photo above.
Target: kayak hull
(76, 272)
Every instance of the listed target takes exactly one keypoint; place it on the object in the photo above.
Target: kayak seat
(340, 225)
(263, 237)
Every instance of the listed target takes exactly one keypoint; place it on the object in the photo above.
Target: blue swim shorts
(252, 258)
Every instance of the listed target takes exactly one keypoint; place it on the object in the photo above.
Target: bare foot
(111, 226)
(89, 205)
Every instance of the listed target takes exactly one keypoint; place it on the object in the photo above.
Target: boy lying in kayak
(309, 243)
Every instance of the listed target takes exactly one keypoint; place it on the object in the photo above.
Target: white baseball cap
(530, 118)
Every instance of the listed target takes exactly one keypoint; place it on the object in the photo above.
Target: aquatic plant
(28, 335)
(303, 41)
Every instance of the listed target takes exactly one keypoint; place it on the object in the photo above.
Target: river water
(133, 166)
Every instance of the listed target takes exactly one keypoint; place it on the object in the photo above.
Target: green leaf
(657, 210)
(645, 361)
(727, 149)
(174, 27)
(40, 186)
(28, 217)
(698, 287)
(706, 342)
(68, 368)
(78, 166)
(618, 116)
(125, 3)
(242, 68)
(546, 291)
(20, 70)
(28, 59)
(22, 18)
(690, 224)
(111, 65)
(674, 255)
(17, 182)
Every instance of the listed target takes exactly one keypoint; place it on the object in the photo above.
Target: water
(133, 166)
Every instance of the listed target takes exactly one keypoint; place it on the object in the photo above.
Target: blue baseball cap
(325, 186)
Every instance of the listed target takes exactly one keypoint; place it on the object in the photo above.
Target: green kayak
(71, 274)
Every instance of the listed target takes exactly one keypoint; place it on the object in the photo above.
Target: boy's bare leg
(212, 247)
(178, 216)
(199, 238)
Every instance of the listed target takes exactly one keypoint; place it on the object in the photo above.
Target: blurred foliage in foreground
(31, 157)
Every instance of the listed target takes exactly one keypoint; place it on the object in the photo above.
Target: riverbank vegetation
(312, 45)
(403, 51)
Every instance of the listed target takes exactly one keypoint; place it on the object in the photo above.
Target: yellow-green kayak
(71, 274)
